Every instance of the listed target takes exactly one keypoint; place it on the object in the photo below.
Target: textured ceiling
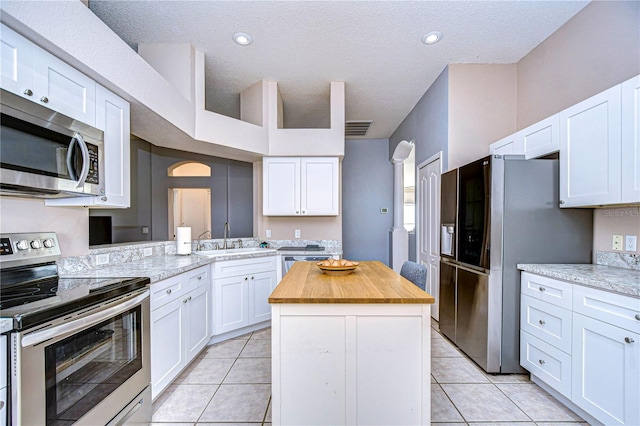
(373, 46)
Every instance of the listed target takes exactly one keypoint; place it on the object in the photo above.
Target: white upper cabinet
(35, 74)
(590, 153)
(537, 140)
(17, 63)
(631, 141)
(294, 186)
(542, 138)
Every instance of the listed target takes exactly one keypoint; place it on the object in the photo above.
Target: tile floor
(230, 384)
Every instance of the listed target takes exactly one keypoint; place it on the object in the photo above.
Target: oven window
(83, 369)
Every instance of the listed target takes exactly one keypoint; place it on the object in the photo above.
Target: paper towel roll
(183, 237)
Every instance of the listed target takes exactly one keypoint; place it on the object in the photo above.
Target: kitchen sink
(226, 252)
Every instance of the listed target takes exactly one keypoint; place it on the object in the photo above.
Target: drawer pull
(638, 317)
(541, 288)
(246, 278)
(629, 340)
(541, 361)
(28, 92)
(184, 301)
(169, 291)
(189, 298)
(44, 99)
(199, 277)
(542, 322)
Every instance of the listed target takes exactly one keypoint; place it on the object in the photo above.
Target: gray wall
(427, 123)
(231, 184)
(367, 186)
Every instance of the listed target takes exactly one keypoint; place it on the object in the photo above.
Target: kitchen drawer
(165, 291)
(550, 323)
(198, 277)
(615, 309)
(547, 362)
(550, 290)
(232, 268)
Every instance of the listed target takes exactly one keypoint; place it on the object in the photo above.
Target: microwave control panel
(94, 175)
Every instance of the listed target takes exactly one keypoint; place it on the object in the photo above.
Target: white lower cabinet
(585, 346)
(242, 288)
(180, 324)
(606, 371)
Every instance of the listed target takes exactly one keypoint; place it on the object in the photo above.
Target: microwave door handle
(85, 159)
(70, 162)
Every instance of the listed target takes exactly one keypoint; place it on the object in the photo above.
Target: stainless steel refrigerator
(495, 213)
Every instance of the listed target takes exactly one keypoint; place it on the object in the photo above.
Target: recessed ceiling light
(242, 39)
(432, 37)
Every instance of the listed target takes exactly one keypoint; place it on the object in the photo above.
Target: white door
(429, 226)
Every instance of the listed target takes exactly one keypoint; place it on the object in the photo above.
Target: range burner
(33, 292)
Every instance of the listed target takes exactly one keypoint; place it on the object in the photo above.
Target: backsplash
(618, 260)
(122, 253)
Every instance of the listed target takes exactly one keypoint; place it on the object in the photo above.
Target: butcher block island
(351, 349)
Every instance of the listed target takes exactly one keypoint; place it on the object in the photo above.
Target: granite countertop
(618, 280)
(158, 268)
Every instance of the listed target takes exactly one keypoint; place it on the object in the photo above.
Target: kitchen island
(352, 349)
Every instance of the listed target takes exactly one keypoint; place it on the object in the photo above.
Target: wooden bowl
(337, 270)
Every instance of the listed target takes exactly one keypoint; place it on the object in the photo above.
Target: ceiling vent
(357, 128)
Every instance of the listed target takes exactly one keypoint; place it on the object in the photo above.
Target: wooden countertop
(371, 282)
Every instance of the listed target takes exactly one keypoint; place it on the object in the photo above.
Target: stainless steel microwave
(46, 154)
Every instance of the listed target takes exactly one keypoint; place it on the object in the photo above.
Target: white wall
(71, 224)
(482, 108)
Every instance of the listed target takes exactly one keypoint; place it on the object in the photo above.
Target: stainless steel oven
(78, 347)
(84, 367)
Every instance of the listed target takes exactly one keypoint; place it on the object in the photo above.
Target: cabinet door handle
(638, 317)
(246, 278)
(103, 198)
(541, 361)
(561, 201)
(541, 288)
(169, 291)
(184, 301)
(199, 277)
(629, 340)
(542, 322)
(303, 212)
(44, 99)
(189, 298)
(28, 92)
(297, 212)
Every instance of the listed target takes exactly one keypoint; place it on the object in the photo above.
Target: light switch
(617, 242)
(268, 233)
(148, 251)
(297, 233)
(630, 242)
(102, 259)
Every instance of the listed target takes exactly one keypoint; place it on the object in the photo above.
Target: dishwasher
(302, 254)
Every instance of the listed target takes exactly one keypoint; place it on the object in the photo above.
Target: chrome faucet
(227, 229)
(199, 245)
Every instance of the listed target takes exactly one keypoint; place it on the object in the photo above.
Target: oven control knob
(48, 243)
(36, 244)
(22, 245)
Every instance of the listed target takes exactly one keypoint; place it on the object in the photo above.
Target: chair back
(415, 272)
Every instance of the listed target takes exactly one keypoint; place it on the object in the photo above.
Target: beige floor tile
(250, 370)
(226, 424)
(442, 409)
(227, 349)
(172, 424)
(182, 403)
(257, 348)
(243, 337)
(238, 403)
(508, 378)
(441, 348)
(496, 424)
(448, 423)
(205, 371)
(268, 417)
(562, 424)
(483, 403)
(537, 403)
(456, 370)
(265, 333)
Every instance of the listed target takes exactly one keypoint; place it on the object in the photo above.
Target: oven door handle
(83, 322)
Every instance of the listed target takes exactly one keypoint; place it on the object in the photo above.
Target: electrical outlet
(296, 233)
(617, 242)
(630, 242)
(268, 233)
(145, 229)
(148, 251)
(102, 259)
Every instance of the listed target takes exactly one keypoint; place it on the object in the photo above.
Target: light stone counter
(618, 280)
(158, 268)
